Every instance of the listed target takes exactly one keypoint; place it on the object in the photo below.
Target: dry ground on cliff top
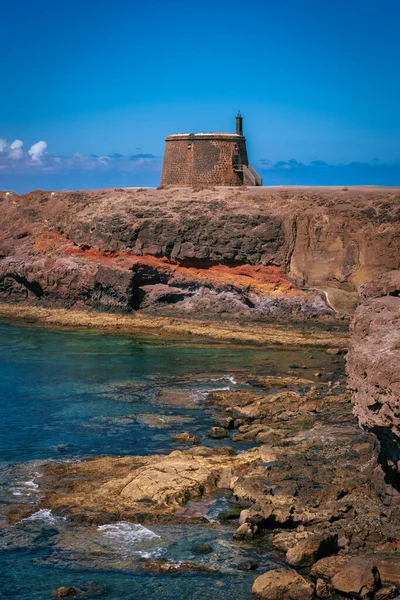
(377, 203)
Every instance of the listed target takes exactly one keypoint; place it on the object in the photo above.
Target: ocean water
(67, 395)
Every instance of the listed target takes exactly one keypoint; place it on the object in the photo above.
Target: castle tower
(208, 159)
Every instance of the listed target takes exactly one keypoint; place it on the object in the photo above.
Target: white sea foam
(44, 515)
(24, 488)
(128, 532)
(226, 378)
(132, 539)
(204, 392)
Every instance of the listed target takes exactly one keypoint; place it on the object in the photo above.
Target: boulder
(218, 433)
(225, 422)
(282, 584)
(312, 548)
(358, 579)
(186, 438)
(245, 531)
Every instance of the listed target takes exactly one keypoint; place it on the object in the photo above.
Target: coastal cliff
(373, 366)
(252, 255)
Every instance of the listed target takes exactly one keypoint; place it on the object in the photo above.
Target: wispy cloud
(319, 172)
(15, 160)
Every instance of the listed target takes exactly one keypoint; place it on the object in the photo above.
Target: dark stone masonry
(208, 159)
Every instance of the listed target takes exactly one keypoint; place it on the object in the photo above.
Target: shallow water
(66, 395)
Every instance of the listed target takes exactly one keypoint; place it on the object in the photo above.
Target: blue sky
(101, 84)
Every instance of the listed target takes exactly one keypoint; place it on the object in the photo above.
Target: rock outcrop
(142, 487)
(374, 366)
(249, 254)
(282, 584)
(312, 485)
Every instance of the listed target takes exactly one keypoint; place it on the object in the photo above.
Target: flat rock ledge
(141, 488)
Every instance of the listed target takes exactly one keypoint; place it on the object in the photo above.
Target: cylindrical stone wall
(204, 159)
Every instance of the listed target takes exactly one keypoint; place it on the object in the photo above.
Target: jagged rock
(326, 568)
(282, 584)
(387, 592)
(357, 579)
(245, 532)
(322, 589)
(312, 548)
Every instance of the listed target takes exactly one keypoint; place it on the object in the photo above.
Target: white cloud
(37, 151)
(14, 159)
(16, 149)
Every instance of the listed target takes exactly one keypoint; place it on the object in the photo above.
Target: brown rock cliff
(279, 253)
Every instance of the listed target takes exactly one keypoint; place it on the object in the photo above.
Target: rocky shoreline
(243, 333)
(310, 483)
(268, 267)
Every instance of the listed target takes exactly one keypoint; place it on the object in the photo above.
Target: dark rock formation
(373, 366)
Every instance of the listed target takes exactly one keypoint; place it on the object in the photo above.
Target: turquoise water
(66, 395)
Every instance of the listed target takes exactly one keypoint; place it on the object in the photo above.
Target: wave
(132, 539)
(44, 515)
(129, 532)
(24, 488)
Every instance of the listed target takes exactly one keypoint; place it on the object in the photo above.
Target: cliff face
(252, 254)
(374, 365)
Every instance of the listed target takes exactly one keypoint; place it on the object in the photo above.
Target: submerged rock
(248, 565)
(186, 438)
(65, 592)
(86, 590)
(165, 566)
(202, 549)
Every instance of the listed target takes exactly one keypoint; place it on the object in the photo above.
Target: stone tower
(208, 159)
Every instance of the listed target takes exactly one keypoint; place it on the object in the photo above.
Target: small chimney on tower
(239, 124)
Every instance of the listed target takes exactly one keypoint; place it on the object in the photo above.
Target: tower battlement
(208, 159)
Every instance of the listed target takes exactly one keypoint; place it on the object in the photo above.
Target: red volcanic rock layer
(228, 253)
